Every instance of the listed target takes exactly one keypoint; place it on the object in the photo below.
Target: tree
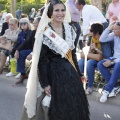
(13, 7)
(97, 3)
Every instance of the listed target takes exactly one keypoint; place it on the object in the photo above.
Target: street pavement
(12, 99)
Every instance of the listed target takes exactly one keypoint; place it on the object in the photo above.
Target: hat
(22, 20)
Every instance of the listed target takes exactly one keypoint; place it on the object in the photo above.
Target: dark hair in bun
(50, 8)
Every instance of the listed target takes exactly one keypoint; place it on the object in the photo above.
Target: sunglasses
(91, 30)
(118, 23)
(23, 23)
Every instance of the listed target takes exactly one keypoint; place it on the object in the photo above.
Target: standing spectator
(75, 18)
(113, 62)
(6, 24)
(18, 14)
(32, 14)
(90, 14)
(38, 13)
(113, 11)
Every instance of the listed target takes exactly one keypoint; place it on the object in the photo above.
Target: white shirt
(107, 36)
(91, 14)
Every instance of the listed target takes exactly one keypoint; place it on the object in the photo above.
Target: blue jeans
(111, 79)
(21, 60)
(91, 65)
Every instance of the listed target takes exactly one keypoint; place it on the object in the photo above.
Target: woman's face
(24, 25)
(117, 29)
(12, 25)
(58, 13)
(35, 23)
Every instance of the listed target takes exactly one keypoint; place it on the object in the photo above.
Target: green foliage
(27, 7)
(88, 1)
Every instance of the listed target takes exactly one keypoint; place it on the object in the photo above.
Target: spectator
(25, 51)
(38, 13)
(113, 11)
(75, 18)
(95, 31)
(6, 24)
(32, 14)
(12, 35)
(23, 15)
(90, 14)
(18, 14)
(113, 62)
(23, 35)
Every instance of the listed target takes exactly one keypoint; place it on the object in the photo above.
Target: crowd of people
(55, 68)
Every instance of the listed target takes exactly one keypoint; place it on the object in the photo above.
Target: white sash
(60, 43)
(57, 40)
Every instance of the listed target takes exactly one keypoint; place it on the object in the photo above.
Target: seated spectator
(113, 62)
(24, 25)
(26, 16)
(23, 15)
(95, 30)
(6, 24)
(25, 51)
(10, 34)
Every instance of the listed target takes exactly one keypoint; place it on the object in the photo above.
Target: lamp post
(13, 7)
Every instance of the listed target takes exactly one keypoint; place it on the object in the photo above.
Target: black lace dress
(68, 99)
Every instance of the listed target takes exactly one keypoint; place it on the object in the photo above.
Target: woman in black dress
(58, 77)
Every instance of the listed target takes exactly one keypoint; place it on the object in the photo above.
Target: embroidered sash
(61, 44)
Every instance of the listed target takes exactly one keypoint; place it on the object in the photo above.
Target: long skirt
(68, 99)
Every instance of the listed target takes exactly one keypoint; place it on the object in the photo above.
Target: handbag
(7, 45)
(93, 56)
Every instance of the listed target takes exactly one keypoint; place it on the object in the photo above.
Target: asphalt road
(12, 99)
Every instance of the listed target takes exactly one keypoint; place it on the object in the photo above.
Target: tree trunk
(13, 7)
(97, 3)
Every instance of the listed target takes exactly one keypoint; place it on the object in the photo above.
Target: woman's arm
(14, 36)
(28, 43)
(43, 67)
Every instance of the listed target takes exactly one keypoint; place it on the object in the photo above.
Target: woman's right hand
(47, 90)
(111, 26)
(16, 55)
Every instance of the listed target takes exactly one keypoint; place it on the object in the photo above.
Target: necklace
(59, 31)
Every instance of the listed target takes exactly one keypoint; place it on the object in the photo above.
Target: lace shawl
(70, 36)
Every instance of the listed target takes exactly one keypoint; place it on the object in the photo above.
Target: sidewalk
(113, 100)
(95, 96)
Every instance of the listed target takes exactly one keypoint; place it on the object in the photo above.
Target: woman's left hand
(47, 90)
